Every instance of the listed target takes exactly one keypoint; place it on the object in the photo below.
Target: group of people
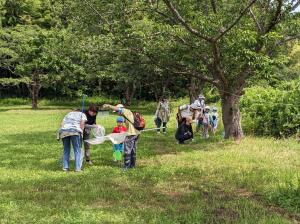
(205, 118)
(77, 125)
(76, 128)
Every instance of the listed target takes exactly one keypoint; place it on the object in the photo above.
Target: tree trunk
(193, 90)
(196, 87)
(99, 87)
(231, 117)
(129, 93)
(34, 88)
(127, 96)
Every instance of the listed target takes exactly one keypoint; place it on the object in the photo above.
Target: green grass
(205, 181)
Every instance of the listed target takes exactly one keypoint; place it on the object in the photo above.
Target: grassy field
(205, 181)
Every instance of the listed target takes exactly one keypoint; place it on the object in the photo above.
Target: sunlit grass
(205, 181)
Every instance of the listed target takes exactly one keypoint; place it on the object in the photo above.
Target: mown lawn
(205, 181)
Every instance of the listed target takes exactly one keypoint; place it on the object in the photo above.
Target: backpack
(139, 121)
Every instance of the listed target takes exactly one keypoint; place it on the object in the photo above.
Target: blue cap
(120, 119)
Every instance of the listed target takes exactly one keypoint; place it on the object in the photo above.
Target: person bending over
(185, 130)
(70, 132)
(91, 115)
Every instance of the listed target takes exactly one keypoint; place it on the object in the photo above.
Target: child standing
(206, 122)
(119, 148)
(214, 120)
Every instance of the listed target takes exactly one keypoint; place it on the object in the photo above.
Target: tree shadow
(146, 194)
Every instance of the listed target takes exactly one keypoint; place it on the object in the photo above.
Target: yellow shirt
(130, 128)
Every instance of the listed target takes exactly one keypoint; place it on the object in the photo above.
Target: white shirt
(185, 111)
(72, 120)
(200, 103)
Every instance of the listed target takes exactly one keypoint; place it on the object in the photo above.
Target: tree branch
(214, 5)
(98, 13)
(276, 18)
(196, 74)
(184, 22)
(259, 27)
(217, 65)
(243, 12)
(203, 57)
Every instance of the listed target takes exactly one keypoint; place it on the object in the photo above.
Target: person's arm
(111, 107)
(82, 123)
(157, 109)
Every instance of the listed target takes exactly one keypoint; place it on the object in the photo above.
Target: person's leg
(158, 124)
(133, 152)
(127, 151)
(205, 131)
(87, 152)
(76, 142)
(164, 127)
(114, 152)
(66, 156)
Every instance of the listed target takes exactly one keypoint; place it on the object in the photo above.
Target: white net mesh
(98, 131)
(115, 138)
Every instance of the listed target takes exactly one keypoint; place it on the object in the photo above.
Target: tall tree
(231, 40)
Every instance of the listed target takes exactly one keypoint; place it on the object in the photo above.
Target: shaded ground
(212, 181)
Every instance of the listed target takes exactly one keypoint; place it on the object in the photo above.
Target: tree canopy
(146, 49)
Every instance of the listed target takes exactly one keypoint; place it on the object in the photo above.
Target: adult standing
(200, 102)
(70, 132)
(91, 115)
(130, 143)
(162, 114)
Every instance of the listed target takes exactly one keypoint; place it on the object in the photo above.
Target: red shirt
(119, 129)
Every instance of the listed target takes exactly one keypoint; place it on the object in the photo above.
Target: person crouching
(184, 131)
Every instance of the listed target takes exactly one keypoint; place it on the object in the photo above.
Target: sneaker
(78, 171)
(66, 169)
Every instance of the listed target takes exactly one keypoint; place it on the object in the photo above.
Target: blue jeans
(76, 143)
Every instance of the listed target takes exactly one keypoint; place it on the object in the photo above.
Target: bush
(14, 101)
(270, 111)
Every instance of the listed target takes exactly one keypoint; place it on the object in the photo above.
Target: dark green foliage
(272, 111)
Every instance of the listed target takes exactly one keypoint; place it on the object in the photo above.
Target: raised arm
(111, 107)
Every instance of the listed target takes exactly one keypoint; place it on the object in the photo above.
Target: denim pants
(76, 143)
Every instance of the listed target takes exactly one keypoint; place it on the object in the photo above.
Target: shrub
(272, 111)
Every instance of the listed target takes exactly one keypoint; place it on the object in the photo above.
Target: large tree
(223, 43)
(228, 42)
